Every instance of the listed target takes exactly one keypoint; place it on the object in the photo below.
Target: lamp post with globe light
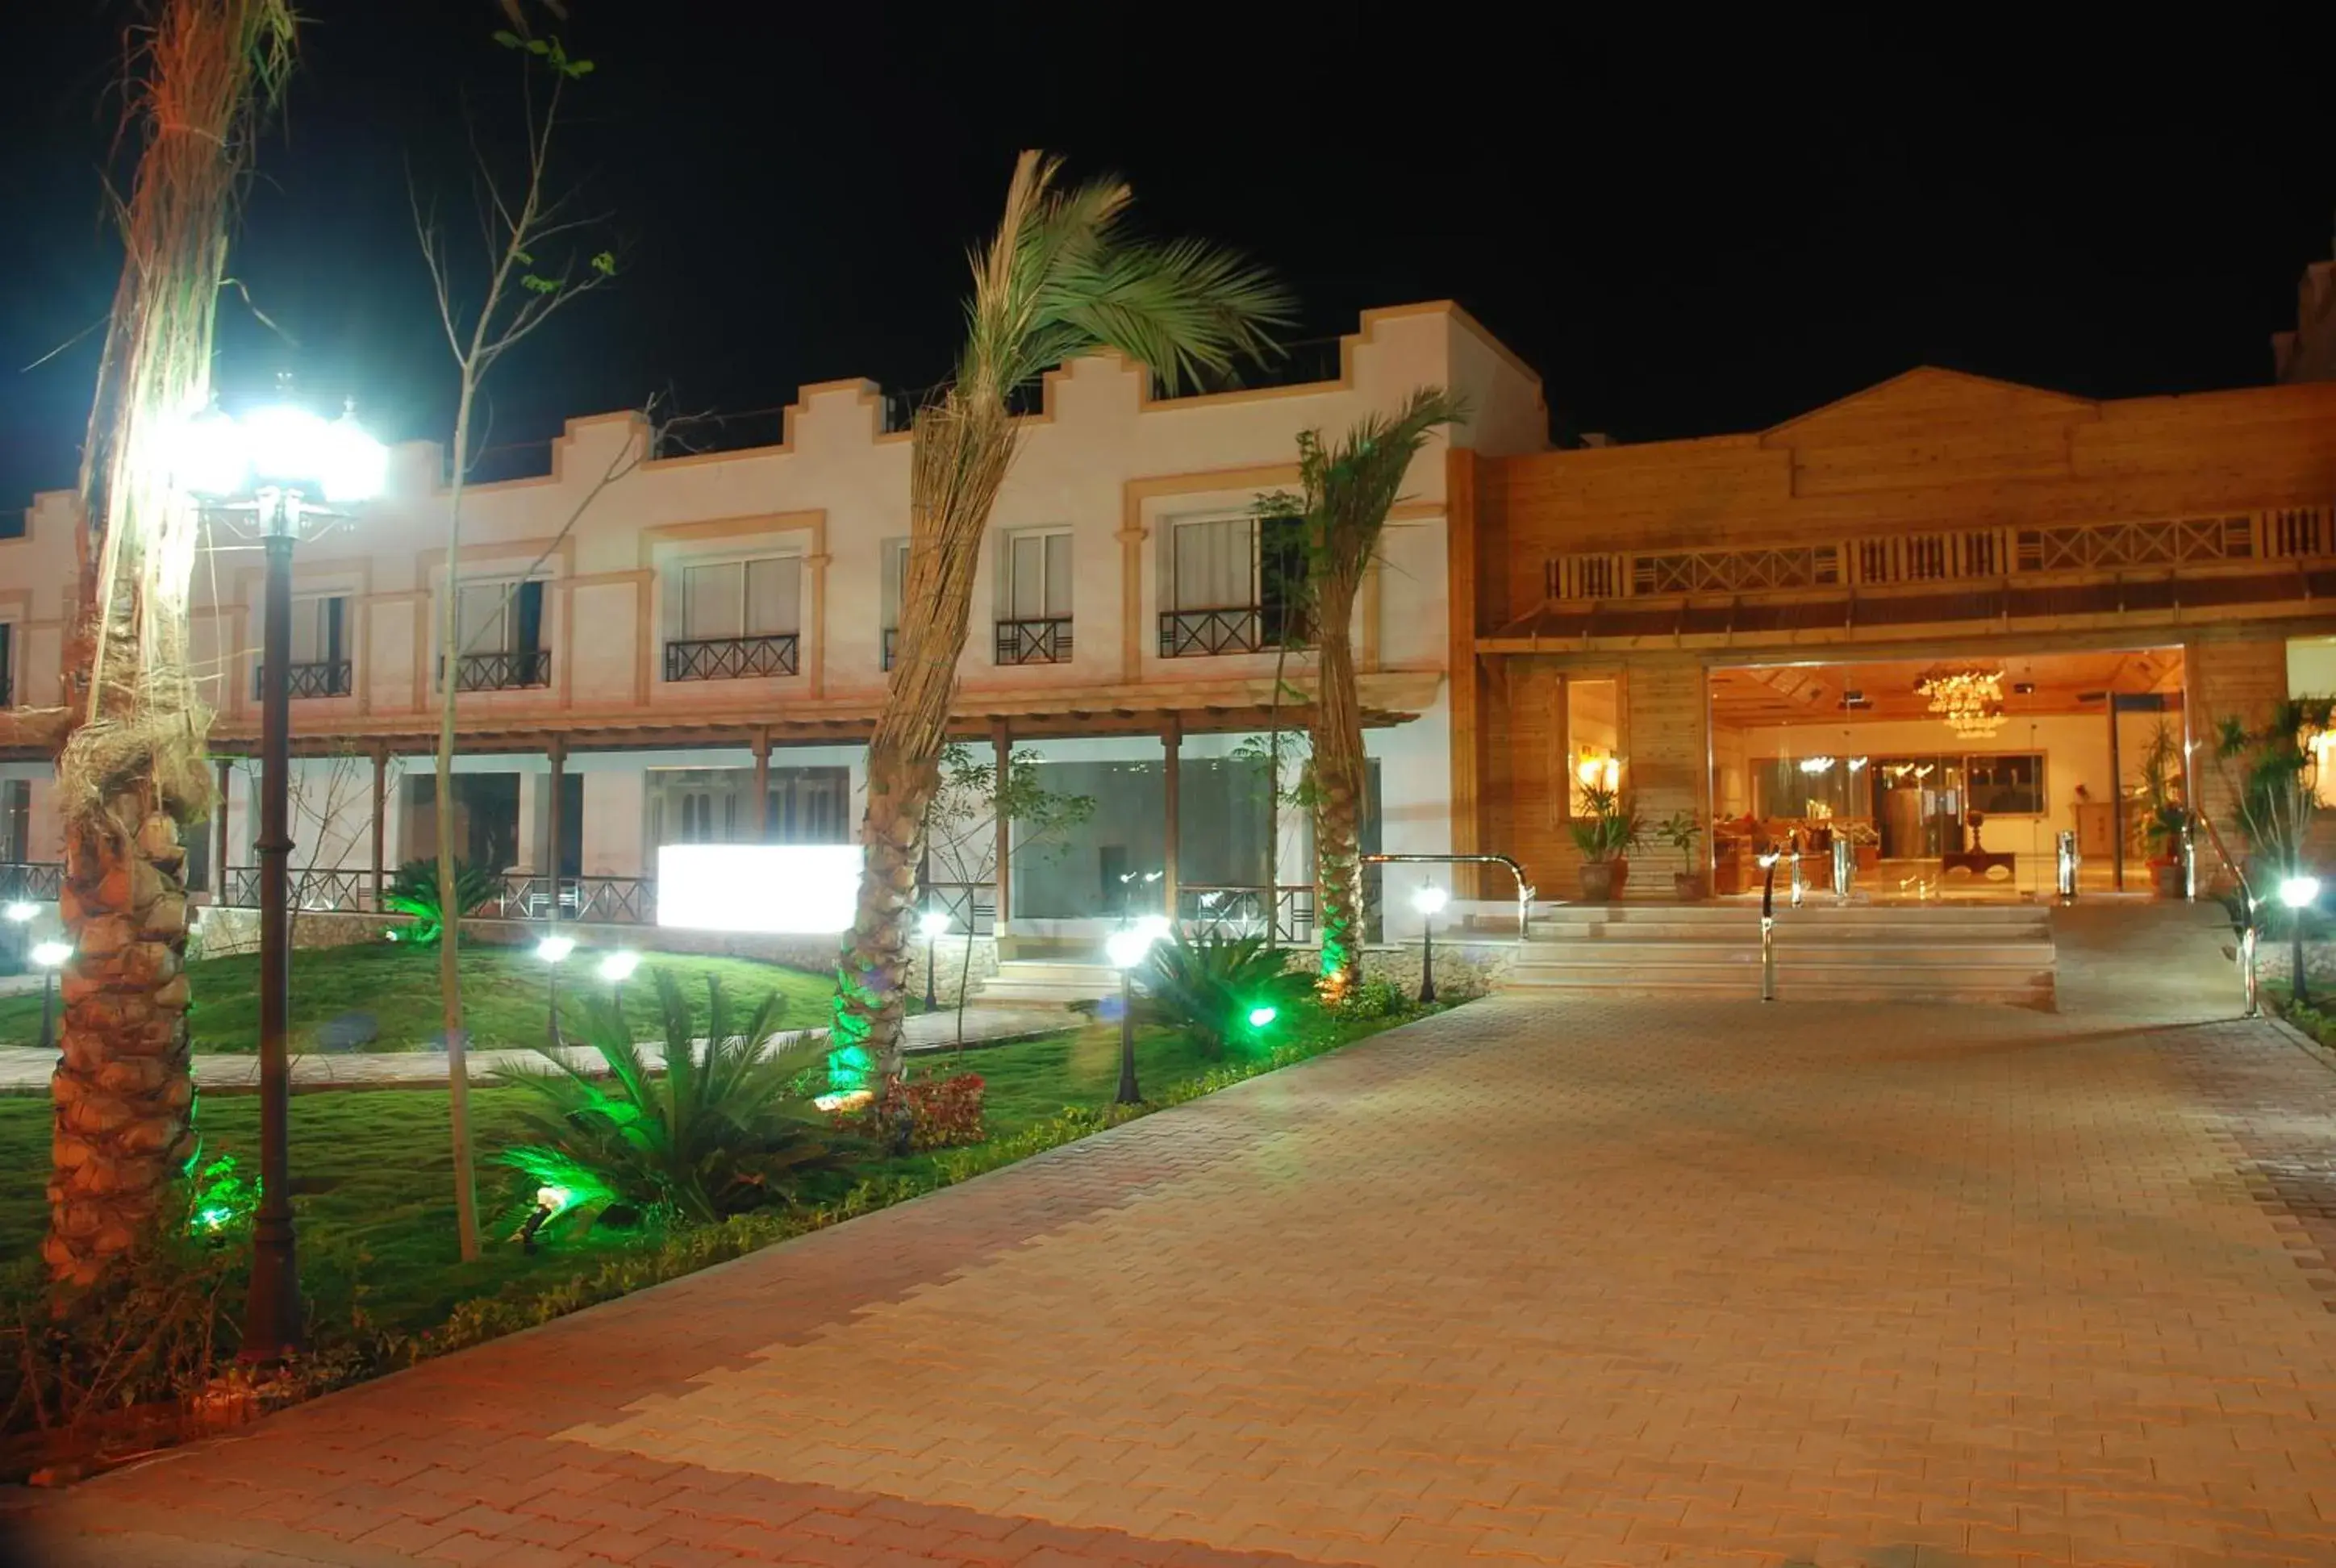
(279, 469)
(616, 967)
(1430, 901)
(47, 957)
(2297, 893)
(1128, 948)
(553, 950)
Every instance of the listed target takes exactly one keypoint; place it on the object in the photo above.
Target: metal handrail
(1525, 888)
(2247, 989)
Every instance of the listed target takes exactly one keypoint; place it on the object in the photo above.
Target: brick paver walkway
(1535, 1282)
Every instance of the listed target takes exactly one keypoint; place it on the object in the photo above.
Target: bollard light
(1430, 901)
(553, 950)
(50, 956)
(616, 967)
(935, 925)
(2297, 893)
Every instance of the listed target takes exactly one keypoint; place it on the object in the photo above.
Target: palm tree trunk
(1340, 777)
(123, 1090)
(963, 449)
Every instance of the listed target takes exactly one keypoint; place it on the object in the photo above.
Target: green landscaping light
(1260, 1017)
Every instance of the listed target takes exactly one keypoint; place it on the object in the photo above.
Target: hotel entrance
(1950, 778)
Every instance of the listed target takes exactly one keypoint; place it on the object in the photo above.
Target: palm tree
(1348, 490)
(130, 774)
(1063, 276)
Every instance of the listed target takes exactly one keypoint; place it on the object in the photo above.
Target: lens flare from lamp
(933, 923)
(49, 955)
(351, 466)
(209, 456)
(2299, 893)
(1260, 1017)
(555, 950)
(1127, 948)
(20, 912)
(286, 445)
(617, 966)
(1155, 927)
(1430, 898)
(1814, 765)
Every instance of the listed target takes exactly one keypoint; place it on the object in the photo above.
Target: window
(316, 624)
(504, 617)
(1593, 735)
(1034, 597)
(742, 598)
(16, 819)
(7, 668)
(1235, 585)
(896, 578)
(806, 805)
(2006, 785)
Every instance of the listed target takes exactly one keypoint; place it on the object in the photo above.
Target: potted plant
(1681, 831)
(2164, 814)
(1605, 834)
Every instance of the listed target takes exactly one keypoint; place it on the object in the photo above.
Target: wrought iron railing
(1240, 911)
(969, 905)
(504, 671)
(1948, 555)
(1044, 641)
(731, 658)
(327, 677)
(605, 900)
(318, 889)
(1194, 633)
(30, 882)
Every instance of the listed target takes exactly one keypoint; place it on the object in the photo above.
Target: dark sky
(1687, 232)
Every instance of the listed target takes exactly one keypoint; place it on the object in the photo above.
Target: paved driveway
(1542, 1282)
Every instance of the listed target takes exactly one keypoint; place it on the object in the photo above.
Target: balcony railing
(30, 882)
(731, 658)
(604, 901)
(1044, 641)
(506, 671)
(1947, 556)
(1192, 633)
(328, 678)
(318, 889)
(1240, 911)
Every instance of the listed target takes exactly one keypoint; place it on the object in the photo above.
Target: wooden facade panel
(2232, 672)
(1667, 719)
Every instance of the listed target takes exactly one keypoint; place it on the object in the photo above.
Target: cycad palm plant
(1347, 492)
(1211, 984)
(1062, 276)
(717, 1131)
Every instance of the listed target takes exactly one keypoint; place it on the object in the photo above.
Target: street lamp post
(553, 950)
(1429, 901)
(2297, 893)
(616, 967)
(48, 956)
(286, 459)
(1126, 949)
(934, 924)
(19, 915)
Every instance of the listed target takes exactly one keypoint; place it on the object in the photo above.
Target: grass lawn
(377, 1221)
(502, 995)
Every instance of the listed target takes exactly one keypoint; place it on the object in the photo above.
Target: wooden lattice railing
(1947, 555)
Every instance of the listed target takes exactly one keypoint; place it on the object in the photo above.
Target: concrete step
(1049, 980)
(1607, 954)
(2036, 991)
(1789, 928)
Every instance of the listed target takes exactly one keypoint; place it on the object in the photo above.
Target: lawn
(377, 1210)
(503, 995)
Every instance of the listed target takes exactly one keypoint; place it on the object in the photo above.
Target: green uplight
(849, 1069)
(212, 1218)
(1260, 1017)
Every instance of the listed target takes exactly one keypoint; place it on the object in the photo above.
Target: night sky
(1687, 232)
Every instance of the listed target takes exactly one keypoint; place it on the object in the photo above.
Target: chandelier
(1970, 698)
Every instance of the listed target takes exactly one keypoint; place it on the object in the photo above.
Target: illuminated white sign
(791, 889)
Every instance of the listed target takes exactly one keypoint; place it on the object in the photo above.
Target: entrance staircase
(1059, 982)
(1824, 952)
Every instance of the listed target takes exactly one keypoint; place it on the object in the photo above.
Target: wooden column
(553, 817)
(1171, 743)
(762, 785)
(218, 835)
(380, 814)
(1001, 746)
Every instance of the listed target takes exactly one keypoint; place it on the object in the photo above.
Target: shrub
(1210, 986)
(1376, 999)
(924, 1114)
(414, 891)
(720, 1132)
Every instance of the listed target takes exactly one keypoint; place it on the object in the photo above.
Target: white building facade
(695, 650)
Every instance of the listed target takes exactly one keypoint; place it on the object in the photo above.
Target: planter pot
(2166, 880)
(1601, 882)
(1689, 886)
